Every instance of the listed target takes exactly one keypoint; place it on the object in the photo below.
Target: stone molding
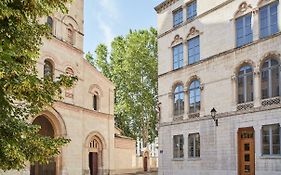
(243, 9)
(223, 115)
(164, 5)
(197, 17)
(224, 53)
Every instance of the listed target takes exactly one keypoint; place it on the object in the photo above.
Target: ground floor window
(194, 145)
(271, 140)
(178, 146)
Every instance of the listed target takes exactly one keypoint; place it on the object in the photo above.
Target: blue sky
(106, 19)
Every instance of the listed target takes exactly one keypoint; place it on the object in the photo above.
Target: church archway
(95, 155)
(48, 130)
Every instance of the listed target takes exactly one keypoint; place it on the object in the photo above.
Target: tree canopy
(23, 94)
(132, 67)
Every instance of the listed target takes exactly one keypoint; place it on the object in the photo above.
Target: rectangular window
(244, 32)
(268, 20)
(177, 17)
(194, 145)
(178, 56)
(193, 50)
(178, 146)
(271, 140)
(191, 10)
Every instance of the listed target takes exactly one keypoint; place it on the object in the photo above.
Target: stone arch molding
(271, 54)
(51, 57)
(67, 19)
(193, 32)
(243, 9)
(191, 79)
(177, 40)
(92, 135)
(175, 84)
(243, 63)
(56, 120)
(94, 89)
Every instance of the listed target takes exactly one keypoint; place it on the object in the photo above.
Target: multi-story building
(85, 115)
(221, 54)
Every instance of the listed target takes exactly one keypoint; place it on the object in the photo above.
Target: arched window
(270, 78)
(194, 96)
(179, 100)
(95, 102)
(69, 71)
(70, 34)
(245, 84)
(50, 23)
(48, 69)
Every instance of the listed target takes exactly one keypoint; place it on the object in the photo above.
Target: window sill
(177, 117)
(194, 159)
(270, 157)
(178, 159)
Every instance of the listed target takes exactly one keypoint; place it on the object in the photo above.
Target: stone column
(257, 88)
(186, 102)
(255, 24)
(234, 92)
(185, 52)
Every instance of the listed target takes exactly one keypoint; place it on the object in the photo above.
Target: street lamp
(213, 114)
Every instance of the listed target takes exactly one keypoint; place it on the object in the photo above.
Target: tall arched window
(270, 79)
(50, 23)
(179, 100)
(95, 102)
(70, 34)
(48, 69)
(194, 96)
(245, 84)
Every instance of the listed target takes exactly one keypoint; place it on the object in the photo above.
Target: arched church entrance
(95, 156)
(47, 130)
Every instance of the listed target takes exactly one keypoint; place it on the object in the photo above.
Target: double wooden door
(246, 151)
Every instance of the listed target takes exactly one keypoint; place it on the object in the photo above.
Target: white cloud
(107, 31)
(110, 8)
(107, 18)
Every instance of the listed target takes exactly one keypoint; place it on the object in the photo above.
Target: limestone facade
(217, 70)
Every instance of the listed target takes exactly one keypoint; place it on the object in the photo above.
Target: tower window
(70, 34)
(95, 102)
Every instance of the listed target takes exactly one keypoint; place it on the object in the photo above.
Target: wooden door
(246, 151)
(145, 164)
(93, 163)
(39, 169)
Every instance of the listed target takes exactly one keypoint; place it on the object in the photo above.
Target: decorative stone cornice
(243, 8)
(192, 33)
(177, 40)
(164, 5)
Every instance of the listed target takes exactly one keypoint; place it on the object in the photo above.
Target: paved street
(153, 173)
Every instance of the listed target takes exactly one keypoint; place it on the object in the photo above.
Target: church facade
(86, 113)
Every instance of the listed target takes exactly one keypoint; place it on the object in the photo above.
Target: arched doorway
(95, 156)
(47, 130)
(145, 161)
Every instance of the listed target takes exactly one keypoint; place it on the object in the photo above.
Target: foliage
(22, 93)
(132, 67)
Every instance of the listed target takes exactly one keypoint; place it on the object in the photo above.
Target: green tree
(22, 93)
(132, 67)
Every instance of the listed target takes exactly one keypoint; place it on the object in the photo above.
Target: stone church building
(219, 87)
(86, 114)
